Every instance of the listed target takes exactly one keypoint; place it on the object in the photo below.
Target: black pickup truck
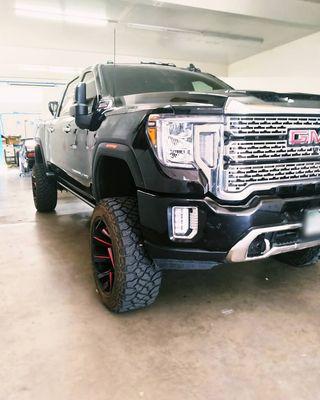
(183, 172)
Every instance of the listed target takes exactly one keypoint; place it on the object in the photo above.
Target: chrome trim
(239, 252)
(269, 150)
(220, 185)
(240, 177)
(253, 125)
(217, 130)
(261, 187)
(237, 211)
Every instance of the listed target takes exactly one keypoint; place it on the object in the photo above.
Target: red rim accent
(111, 256)
(105, 232)
(102, 241)
(102, 256)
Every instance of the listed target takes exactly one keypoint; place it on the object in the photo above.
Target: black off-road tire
(136, 278)
(301, 258)
(44, 189)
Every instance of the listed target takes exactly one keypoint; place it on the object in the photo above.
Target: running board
(67, 187)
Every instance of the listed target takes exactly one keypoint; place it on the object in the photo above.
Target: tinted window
(68, 98)
(148, 79)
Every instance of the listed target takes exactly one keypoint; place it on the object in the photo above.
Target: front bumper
(226, 233)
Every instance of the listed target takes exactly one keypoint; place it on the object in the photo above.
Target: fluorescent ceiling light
(33, 84)
(30, 83)
(54, 14)
(157, 28)
(222, 35)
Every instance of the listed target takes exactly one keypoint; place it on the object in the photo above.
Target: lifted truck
(183, 172)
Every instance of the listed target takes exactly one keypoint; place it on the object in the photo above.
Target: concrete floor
(246, 331)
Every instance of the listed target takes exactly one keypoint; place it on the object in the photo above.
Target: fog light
(184, 222)
(259, 246)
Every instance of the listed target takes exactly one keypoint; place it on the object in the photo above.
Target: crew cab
(183, 172)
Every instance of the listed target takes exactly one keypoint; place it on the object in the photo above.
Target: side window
(91, 90)
(68, 98)
(199, 86)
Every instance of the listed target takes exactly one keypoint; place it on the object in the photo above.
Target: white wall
(22, 106)
(293, 67)
(53, 64)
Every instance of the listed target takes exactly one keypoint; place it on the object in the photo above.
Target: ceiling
(52, 39)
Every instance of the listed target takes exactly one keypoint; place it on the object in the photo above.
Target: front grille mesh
(257, 152)
(240, 176)
(269, 125)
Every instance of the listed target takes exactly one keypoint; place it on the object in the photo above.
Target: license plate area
(311, 226)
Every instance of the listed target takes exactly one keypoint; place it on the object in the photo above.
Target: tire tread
(300, 258)
(139, 275)
(45, 198)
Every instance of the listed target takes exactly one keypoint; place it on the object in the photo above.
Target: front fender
(119, 151)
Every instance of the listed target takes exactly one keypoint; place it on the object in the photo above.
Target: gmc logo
(304, 137)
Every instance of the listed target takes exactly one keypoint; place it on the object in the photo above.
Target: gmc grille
(257, 154)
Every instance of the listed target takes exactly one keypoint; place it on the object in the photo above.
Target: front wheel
(126, 278)
(300, 258)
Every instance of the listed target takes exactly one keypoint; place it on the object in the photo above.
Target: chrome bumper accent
(239, 251)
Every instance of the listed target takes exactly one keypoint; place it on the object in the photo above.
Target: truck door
(85, 139)
(62, 132)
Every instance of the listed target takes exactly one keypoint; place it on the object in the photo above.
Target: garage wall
(291, 67)
(22, 106)
(63, 64)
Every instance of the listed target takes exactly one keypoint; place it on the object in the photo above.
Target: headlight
(183, 143)
(172, 139)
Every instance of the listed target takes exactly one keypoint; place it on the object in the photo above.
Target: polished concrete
(246, 331)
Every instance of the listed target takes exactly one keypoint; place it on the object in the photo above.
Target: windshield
(135, 79)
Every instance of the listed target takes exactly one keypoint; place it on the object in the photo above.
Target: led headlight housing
(183, 142)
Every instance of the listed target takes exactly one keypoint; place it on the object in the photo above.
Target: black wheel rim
(102, 256)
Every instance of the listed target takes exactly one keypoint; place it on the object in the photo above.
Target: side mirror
(53, 107)
(80, 108)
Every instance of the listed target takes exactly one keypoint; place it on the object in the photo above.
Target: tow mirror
(53, 107)
(79, 110)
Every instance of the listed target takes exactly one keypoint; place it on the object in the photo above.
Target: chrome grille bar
(241, 176)
(268, 125)
(255, 150)
(257, 156)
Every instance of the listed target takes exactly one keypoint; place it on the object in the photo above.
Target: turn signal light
(152, 128)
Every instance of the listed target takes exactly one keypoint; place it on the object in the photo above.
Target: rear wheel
(126, 278)
(300, 258)
(44, 189)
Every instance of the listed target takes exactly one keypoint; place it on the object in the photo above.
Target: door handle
(67, 128)
(51, 129)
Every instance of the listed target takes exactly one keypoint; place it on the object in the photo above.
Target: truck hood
(228, 102)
